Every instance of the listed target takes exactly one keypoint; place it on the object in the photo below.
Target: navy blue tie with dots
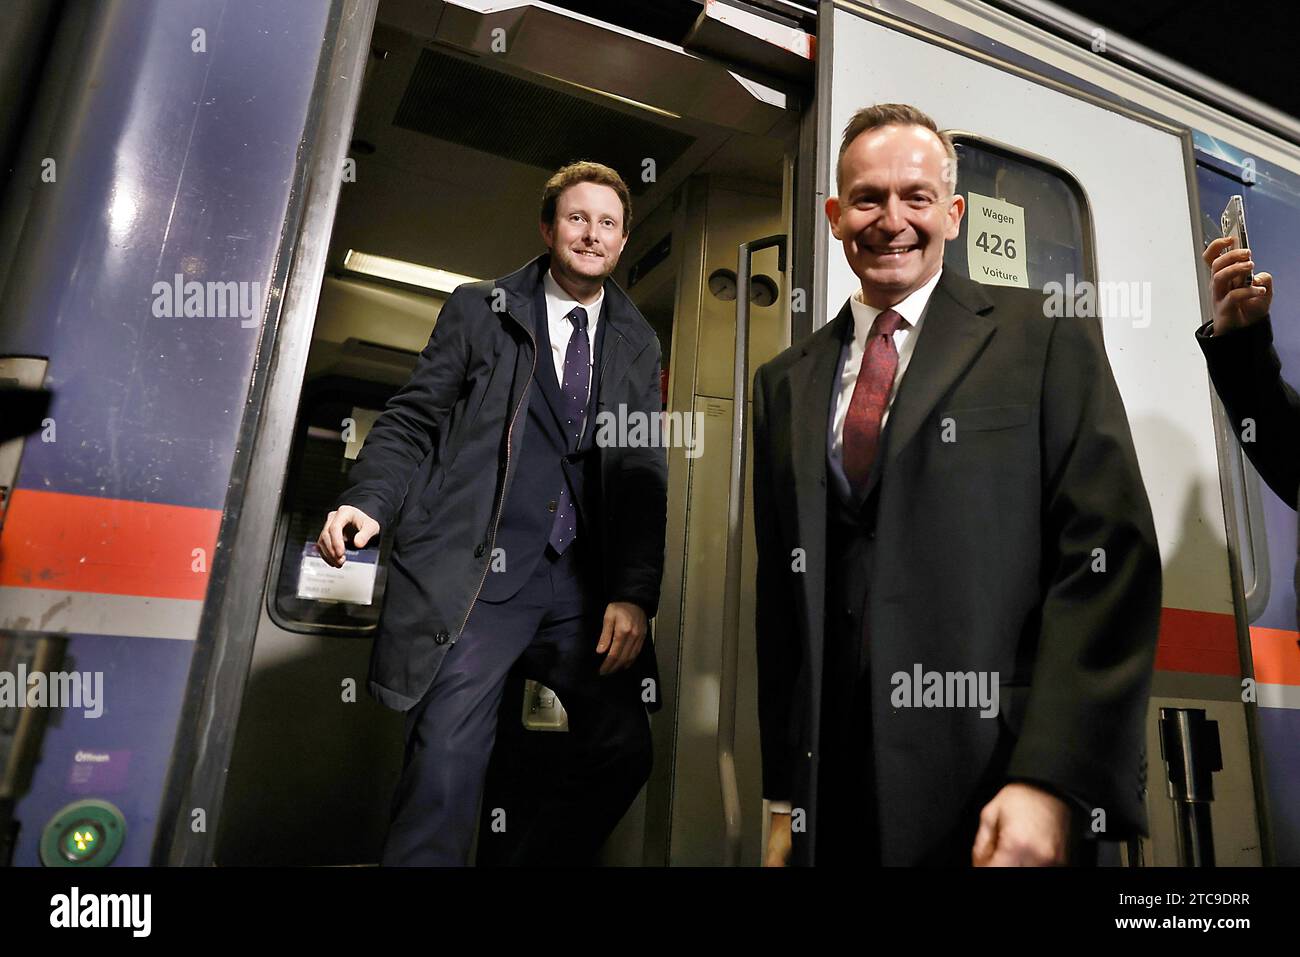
(577, 379)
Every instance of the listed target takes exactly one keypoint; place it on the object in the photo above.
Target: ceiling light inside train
(406, 273)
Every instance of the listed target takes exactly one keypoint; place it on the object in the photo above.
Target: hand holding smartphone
(1238, 296)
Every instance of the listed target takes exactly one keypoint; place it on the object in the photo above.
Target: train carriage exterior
(194, 190)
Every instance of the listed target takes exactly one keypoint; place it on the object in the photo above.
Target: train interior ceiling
(452, 147)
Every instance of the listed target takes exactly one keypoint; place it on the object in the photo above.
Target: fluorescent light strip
(614, 96)
(396, 270)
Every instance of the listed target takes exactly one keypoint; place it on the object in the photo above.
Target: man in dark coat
(958, 579)
(525, 534)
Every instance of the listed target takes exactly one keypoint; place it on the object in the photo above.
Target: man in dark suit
(523, 537)
(958, 581)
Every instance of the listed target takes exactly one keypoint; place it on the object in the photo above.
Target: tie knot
(886, 323)
(578, 316)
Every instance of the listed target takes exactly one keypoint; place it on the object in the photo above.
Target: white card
(995, 242)
(354, 582)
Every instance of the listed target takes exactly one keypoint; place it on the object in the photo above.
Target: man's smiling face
(895, 210)
(586, 238)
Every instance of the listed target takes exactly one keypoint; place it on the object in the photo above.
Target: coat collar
(956, 328)
(628, 332)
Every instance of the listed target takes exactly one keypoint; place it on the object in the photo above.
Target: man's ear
(833, 214)
(956, 208)
(547, 232)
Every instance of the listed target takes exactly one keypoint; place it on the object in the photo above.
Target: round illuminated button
(81, 841)
(85, 833)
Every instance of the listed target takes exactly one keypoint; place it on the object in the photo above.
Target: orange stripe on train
(89, 544)
(85, 543)
(1276, 652)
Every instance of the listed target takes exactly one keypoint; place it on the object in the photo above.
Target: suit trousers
(548, 630)
(846, 824)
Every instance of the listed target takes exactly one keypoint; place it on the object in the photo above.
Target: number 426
(995, 245)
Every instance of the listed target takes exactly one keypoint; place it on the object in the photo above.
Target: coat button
(552, 506)
(441, 638)
(478, 550)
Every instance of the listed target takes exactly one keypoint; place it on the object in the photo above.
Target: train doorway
(461, 119)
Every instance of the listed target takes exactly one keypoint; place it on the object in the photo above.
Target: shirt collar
(559, 303)
(912, 309)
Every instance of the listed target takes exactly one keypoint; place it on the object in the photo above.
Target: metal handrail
(735, 538)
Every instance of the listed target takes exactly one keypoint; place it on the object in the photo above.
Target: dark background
(1251, 46)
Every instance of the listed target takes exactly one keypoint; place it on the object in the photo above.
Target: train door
(1080, 185)
(461, 119)
(154, 157)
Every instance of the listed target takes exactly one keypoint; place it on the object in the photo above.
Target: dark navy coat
(438, 462)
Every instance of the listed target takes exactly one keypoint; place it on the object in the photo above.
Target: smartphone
(1233, 223)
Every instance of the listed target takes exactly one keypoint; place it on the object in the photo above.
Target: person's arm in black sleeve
(776, 637)
(1084, 724)
(405, 433)
(1263, 410)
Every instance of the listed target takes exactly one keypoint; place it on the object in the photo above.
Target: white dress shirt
(558, 306)
(912, 309)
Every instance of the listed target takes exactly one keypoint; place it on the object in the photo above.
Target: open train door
(1087, 189)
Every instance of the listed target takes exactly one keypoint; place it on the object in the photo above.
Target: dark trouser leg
(449, 736)
(847, 825)
(612, 747)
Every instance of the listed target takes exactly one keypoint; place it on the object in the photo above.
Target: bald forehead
(896, 148)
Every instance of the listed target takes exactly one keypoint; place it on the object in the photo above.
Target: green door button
(85, 833)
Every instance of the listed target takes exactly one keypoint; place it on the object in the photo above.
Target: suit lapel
(954, 331)
(624, 340)
(625, 333)
(614, 362)
(551, 386)
(812, 383)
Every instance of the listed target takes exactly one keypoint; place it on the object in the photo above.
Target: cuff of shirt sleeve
(779, 807)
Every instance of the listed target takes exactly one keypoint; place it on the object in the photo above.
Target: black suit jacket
(439, 461)
(1006, 463)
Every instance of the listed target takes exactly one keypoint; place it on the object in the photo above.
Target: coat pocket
(988, 418)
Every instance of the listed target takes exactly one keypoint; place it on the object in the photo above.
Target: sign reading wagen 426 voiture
(995, 242)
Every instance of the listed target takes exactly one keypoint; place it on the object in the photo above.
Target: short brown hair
(585, 171)
(893, 114)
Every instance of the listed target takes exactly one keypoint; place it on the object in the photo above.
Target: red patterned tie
(870, 395)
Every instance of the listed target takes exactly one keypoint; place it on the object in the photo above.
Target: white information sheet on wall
(354, 582)
(995, 242)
